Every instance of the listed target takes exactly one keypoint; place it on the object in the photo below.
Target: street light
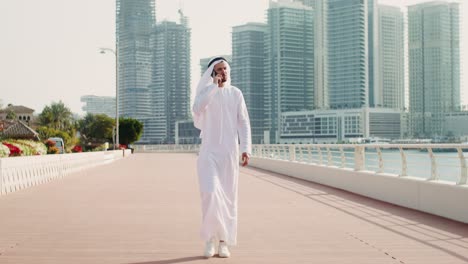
(104, 51)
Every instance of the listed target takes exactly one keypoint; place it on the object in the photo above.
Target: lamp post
(104, 51)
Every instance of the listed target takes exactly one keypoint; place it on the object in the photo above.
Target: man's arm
(243, 129)
(204, 98)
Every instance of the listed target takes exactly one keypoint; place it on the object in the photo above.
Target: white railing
(434, 162)
(17, 173)
(428, 178)
(167, 148)
(444, 162)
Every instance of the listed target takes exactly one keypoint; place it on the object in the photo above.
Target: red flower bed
(14, 150)
(77, 149)
(49, 143)
(122, 146)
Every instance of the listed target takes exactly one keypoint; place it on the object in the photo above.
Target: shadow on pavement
(170, 261)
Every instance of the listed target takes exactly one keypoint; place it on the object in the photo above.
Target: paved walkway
(145, 210)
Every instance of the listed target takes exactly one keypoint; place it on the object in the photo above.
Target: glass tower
(290, 62)
(390, 91)
(170, 86)
(348, 53)
(434, 65)
(134, 22)
(248, 72)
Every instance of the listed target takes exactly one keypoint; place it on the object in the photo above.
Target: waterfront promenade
(145, 210)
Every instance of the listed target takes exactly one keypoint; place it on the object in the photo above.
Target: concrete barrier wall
(435, 197)
(17, 173)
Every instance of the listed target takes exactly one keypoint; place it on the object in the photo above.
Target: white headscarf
(207, 80)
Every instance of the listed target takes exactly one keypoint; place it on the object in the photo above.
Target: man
(219, 111)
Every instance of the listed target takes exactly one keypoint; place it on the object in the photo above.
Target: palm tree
(56, 116)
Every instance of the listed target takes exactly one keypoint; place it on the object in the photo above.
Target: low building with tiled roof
(17, 130)
(22, 113)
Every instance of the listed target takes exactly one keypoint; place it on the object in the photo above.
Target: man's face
(222, 69)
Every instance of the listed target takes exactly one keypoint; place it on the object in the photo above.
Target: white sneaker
(209, 249)
(223, 250)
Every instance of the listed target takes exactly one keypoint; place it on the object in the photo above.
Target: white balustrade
(387, 172)
(410, 175)
(364, 169)
(17, 173)
(375, 157)
(167, 148)
(402, 160)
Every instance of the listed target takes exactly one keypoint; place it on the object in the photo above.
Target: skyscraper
(320, 52)
(134, 23)
(99, 105)
(203, 65)
(348, 53)
(248, 72)
(390, 91)
(290, 61)
(373, 75)
(170, 86)
(310, 3)
(434, 65)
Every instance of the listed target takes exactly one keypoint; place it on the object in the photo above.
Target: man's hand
(218, 79)
(245, 159)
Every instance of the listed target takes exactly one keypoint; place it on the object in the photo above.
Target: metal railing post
(319, 150)
(381, 163)
(301, 151)
(433, 165)
(292, 153)
(404, 164)
(329, 157)
(359, 158)
(343, 158)
(463, 169)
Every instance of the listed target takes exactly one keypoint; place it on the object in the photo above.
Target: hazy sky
(49, 48)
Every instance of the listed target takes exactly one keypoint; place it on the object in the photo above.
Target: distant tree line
(57, 120)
